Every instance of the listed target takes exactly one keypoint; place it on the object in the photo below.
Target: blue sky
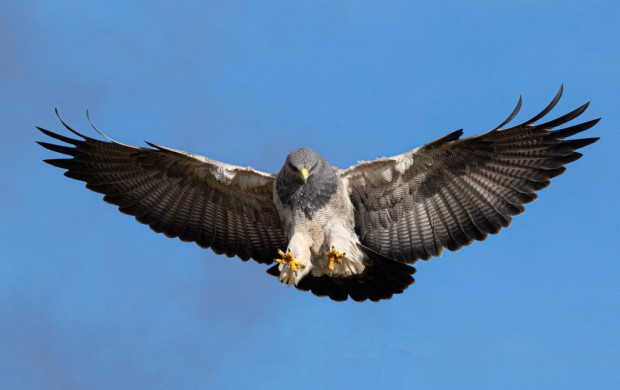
(91, 299)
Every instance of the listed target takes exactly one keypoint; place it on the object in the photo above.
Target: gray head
(303, 162)
(306, 181)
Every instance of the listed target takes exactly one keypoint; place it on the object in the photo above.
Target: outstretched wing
(453, 191)
(217, 205)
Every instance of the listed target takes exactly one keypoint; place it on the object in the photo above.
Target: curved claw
(333, 255)
(289, 259)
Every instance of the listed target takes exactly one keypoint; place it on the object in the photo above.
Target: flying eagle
(338, 233)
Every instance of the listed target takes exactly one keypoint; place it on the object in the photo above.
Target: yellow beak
(305, 174)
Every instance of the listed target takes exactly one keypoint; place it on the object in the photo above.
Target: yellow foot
(288, 259)
(333, 255)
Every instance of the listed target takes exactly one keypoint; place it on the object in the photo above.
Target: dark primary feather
(221, 206)
(453, 191)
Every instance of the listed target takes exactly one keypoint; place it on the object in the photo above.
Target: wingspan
(221, 206)
(453, 191)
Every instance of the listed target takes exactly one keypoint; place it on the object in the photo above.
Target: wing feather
(453, 191)
(217, 205)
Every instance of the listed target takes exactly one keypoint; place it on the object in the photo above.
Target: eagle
(341, 233)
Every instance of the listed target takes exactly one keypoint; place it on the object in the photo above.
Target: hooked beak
(305, 174)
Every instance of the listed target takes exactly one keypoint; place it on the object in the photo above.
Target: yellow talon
(289, 259)
(333, 255)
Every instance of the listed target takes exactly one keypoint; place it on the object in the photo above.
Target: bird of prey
(339, 233)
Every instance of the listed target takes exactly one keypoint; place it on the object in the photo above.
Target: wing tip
(514, 113)
(453, 136)
(57, 148)
(62, 163)
(548, 108)
(69, 127)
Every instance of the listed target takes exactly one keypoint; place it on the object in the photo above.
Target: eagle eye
(293, 167)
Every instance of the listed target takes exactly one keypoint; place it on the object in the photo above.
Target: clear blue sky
(90, 299)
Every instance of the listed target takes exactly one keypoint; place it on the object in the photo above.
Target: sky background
(90, 299)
